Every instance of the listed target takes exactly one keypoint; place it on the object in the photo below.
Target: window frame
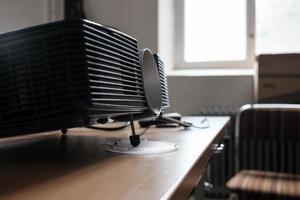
(180, 63)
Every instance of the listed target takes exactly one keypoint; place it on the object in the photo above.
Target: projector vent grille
(163, 81)
(36, 81)
(67, 74)
(114, 72)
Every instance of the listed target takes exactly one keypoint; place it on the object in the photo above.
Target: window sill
(212, 72)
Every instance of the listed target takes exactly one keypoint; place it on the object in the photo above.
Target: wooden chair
(267, 152)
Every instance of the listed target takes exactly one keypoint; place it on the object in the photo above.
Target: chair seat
(265, 183)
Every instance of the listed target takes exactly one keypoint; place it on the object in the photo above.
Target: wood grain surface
(48, 166)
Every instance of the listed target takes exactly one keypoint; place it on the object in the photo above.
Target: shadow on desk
(25, 163)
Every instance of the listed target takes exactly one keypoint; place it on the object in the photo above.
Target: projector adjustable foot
(64, 131)
(134, 139)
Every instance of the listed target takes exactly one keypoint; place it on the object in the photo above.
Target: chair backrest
(267, 137)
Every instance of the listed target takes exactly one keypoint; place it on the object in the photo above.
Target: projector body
(70, 74)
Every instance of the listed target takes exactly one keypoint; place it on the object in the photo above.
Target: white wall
(137, 18)
(190, 95)
(16, 14)
(166, 33)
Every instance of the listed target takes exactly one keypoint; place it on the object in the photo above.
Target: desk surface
(45, 166)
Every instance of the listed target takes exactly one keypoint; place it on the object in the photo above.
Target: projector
(74, 73)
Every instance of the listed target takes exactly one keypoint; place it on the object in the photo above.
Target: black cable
(185, 124)
(126, 124)
(74, 9)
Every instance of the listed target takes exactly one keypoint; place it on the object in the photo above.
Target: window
(277, 26)
(216, 33)
(222, 37)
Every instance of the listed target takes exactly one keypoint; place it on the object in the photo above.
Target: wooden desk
(45, 166)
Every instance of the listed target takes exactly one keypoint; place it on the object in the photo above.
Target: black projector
(74, 73)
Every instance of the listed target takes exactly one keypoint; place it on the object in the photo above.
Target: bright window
(277, 26)
(214, 30)
(231, 33)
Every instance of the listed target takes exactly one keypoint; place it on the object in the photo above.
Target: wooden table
(46, 166)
